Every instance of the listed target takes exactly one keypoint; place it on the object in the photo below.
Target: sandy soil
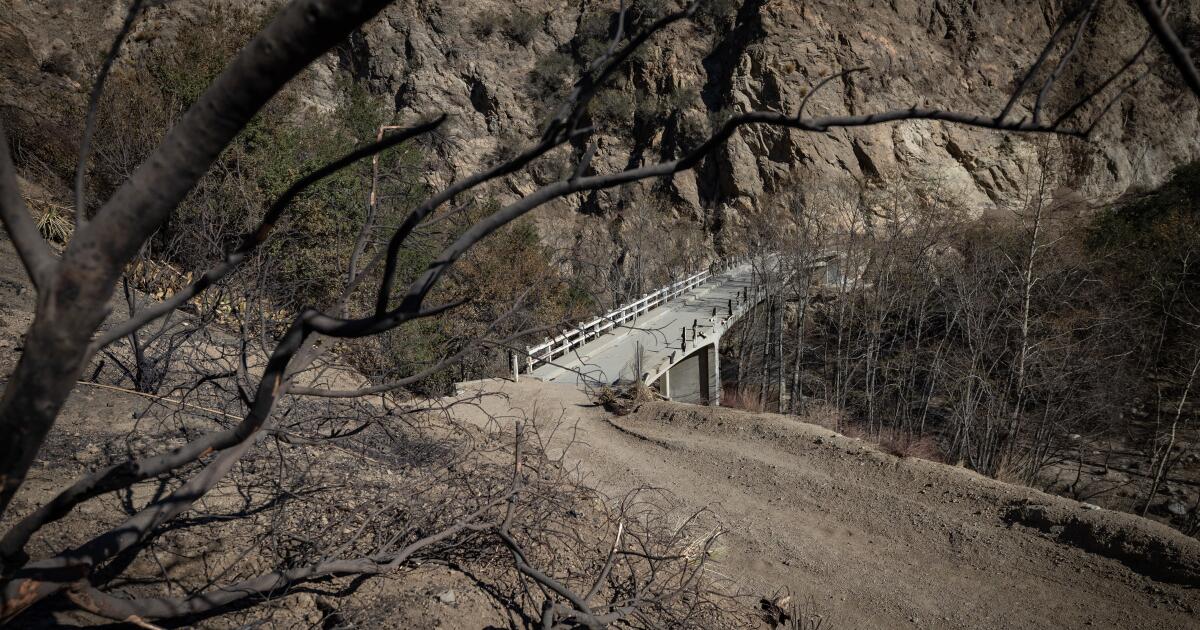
(873, 540)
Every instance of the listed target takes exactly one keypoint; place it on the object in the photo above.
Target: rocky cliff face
(490, 64)
(965, 56)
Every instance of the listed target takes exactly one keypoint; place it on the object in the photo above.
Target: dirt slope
(877, 541)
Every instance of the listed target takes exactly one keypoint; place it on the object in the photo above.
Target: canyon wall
(491, 64)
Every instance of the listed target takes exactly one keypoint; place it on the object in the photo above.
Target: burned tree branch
(89, 121)
(562, 129)
(1048, 84)
(121, 609)
(1179, 55)
(35, 253)
(1112, 78)
(251, 240)
(1027, 79)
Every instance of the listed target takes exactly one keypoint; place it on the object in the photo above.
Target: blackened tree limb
(74, 304)
(78, 293)
(1114, 99)
(421, 287)
(89, 120)
(29, 584)
(572, 108)
(231, 442)
(822, 83)
(1170, 42)
(1027, 79)
(35, 253)
(1112, 78)
(424, 373)
(562, 128)
(136, 527)
(129, 472)
(413, 299)
(1063, 62)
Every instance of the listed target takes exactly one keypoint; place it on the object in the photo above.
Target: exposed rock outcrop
(481, 62)
(437, 57)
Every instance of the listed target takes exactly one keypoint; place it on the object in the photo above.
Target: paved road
(612, 357)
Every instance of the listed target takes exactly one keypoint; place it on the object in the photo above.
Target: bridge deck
(612, 357)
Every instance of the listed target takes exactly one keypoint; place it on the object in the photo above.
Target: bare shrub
(624, 399)
(522, 25)
(737, 397)
(786, 611)
(920, 447)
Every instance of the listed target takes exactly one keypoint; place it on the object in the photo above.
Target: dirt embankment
(878, 541)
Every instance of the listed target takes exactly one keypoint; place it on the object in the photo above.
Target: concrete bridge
(670, 337)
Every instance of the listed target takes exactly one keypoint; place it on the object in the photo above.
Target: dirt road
(877, 541)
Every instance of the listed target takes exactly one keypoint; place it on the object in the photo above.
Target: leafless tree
(74, 290)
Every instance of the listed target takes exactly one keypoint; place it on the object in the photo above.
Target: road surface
(657, 335)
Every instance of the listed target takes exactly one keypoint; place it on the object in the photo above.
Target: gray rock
(432, 57)
(428, 56)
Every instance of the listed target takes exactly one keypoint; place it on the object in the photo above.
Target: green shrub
(187, 65)
(303, 263)
(650, 107)
(592, 35)
(522, 25)
(1147, 245)
(681, 98)
(551, 75)
(306, 255)
(484, 23)
(613, 107)
(717, 16)
(1136, 218)
(511, 284)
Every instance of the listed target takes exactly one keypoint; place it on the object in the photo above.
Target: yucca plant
(55, 221)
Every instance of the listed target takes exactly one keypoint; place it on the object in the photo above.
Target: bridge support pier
(714, 396)
(696, 379)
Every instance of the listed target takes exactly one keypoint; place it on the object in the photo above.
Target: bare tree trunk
(1027, 283)
(797, 393)
(765, 386)
(1166, 454)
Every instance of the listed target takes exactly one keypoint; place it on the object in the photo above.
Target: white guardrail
(584, 332)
